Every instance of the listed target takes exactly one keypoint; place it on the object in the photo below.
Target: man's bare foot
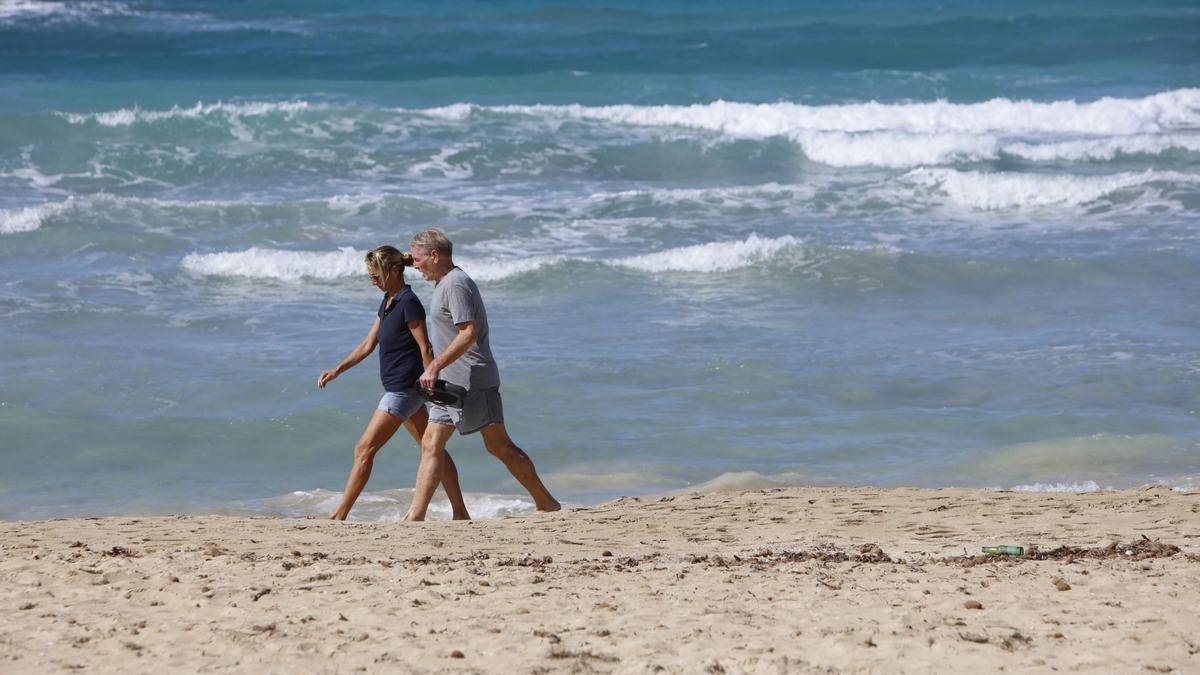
(549, 508)
(332, 516)
(461, 516)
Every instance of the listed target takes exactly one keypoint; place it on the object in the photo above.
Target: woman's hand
(326, 377)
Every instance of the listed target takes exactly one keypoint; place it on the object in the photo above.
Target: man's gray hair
(434, 240)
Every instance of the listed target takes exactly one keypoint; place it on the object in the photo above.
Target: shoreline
(780, 580)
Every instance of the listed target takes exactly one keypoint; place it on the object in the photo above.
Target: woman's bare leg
(378, 432)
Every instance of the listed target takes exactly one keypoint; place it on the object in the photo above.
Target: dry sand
(793, 580)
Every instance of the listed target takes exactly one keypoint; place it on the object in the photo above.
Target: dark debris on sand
(121, 552)
(1141, 549)
(867, 553)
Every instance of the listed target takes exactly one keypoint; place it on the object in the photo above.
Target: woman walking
(404, 351)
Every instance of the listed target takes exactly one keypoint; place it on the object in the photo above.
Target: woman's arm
(417, 328)
(362, 351)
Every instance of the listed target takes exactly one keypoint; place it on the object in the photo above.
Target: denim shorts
(481, 408)
(401, 404)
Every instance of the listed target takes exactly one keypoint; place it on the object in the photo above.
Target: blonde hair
(386, 258)
(433, 240)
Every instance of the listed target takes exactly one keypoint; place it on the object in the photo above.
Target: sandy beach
(791, 580)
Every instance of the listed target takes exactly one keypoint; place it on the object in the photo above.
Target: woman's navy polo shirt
(399, 356)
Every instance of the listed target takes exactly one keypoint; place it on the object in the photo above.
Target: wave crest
(711, 257)
(993, 191)
(30, 218)
(892, 135)
(13, 10)
(292, 266)
(1158, 112)
(129, 116)
(259, 263)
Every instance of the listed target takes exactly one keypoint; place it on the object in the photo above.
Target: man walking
(458, 328)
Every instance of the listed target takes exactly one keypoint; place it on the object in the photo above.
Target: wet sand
(793, 580)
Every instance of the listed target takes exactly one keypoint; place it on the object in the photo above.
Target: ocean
(722, 246)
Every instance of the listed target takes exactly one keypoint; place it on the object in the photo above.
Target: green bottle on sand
(1005, 550)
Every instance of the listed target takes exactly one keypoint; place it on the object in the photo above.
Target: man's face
(423, 262)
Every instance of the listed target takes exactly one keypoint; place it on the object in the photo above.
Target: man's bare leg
(433, 461)
(497, 442)
(378, 432)
(416, 425)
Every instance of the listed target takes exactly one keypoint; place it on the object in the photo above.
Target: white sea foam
(904, 134)
(456, 112)
(30, 218)
(260, 263)
(896, 135)
(1159, 112)
(26, 9)
(1085, 486)
(285, 265)
(895, 149)
(23, 219)
(485, 269)
(730, 196)
(386, 505)
(990, 191)
(342, 203)
(442, 164)
(55, 12)
(129, 116)
(1103, 149)
(716, 256)
(354, 203)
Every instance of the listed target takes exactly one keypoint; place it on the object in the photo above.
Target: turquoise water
(892, 243)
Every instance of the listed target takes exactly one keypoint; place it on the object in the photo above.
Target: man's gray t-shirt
(456, 299)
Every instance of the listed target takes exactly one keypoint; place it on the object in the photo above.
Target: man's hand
(326, 377)
(429, 377)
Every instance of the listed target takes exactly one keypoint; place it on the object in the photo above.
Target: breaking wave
(870, 134)
(30, 218)
(128, 116)
(989, 191)
(911, 134)
(14, 10)
(711, 257)
(285, 265)
(258, 263)
(1155, 113)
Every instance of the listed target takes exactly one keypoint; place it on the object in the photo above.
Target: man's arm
(457, 347)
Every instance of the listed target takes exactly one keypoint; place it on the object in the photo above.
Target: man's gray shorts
(481, 408)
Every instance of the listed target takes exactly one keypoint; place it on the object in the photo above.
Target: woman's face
(390, 281)
(377, 280)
